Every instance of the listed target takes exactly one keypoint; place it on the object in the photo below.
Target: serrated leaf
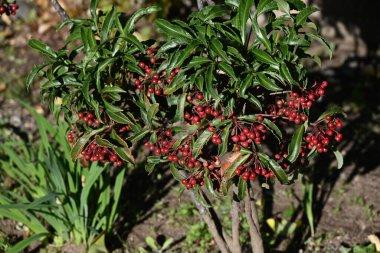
(267, 83)
(228, 70)
(153, 109)
(295, 144)
(273, 128)
(209, 83)
(135, 138)
(284, 70)
(119, 117)
(304, 14)
(229, 171)
(264, 57)
(129, 26)
(275, 167)
(244, 11)
(217, 47)
(201, 141)
(125, 154)
(82, 141)
(175, 172)
(108, 23)
(331, 111)
(255, 101)
(179, 115)
(172, 30)
(103, 142)
(42, 48)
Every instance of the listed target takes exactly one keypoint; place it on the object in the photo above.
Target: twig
(254, 229)
(58, 8)
(210, 223)
(200, 4)
(235, 218)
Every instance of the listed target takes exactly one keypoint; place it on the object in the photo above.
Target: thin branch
(254, 209)
(210, 223)
(58, 8)
(235, 218)
(254, 229)
(200, 4)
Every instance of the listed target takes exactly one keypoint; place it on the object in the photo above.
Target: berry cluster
(297, 101)
(88, 119)
(245, 135)
(94, 152)
(201, 110)
(154, 81)
(250, 172)
(8, 8)
(324, 133)
(192, 181)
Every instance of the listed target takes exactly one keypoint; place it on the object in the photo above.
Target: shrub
(223, 100)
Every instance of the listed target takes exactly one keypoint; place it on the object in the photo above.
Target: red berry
(260, 118)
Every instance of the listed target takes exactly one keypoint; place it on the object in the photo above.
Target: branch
(210, 223)
(200, 4)
(58, 8)
(254, 228)
(235, 218)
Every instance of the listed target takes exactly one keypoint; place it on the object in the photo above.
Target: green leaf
(304, 14)
(217, 47)
(275, 167)
(93, 5)
(295, 144)
(283, 6)
(267, 83)
(103, 142)
(273, 127)
(339, 158)
(113, 89)
(201, 141)
(119, 117)
(186, 53)
(196, 61)
(228, 70)
(247, 83)
(209, 184)
(225, 139)
(239, 161)
(212, 11)
(255, 101)
(108, 23)
(42, 48)
(135, 138)
(244, 11)
(179, 115)
(134, 41)
(264, 57)
(320, 39)
(26, 242)
(177, 83)
(130, 25)
(242, 188)
(125, 153)
(35, 71)
(153, 109)
(175, 172)
(261, 34)
(331, 111)
(209, 83)
(82, 141)
(198, 193)
(284, 70)
(172, 30)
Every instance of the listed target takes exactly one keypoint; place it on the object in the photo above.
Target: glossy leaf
(244, 13)
(108, 23)
(264, 57)
(153, 109)
(175, 172)
(275, 167)
(130, 25)
(225, 67)
(209, 82)
(304, 14)
(273, 128)
(231, 169)
(295, 144)
(242, 188)
(201, 141)
(267, 83)
(217, 47)
(42, 48)
(82, 141)
(331, 111)
(172, 30)
(125, 154)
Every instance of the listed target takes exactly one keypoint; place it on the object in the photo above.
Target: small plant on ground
(223, 102)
